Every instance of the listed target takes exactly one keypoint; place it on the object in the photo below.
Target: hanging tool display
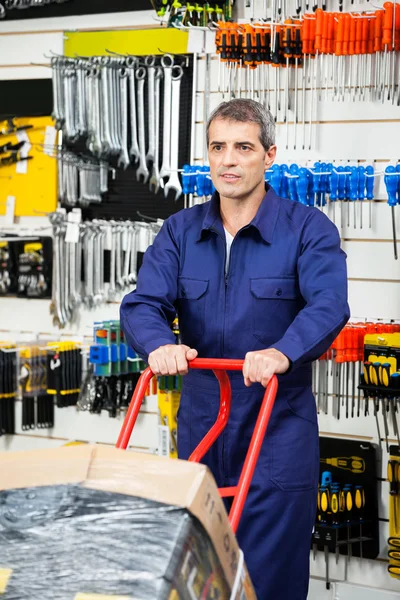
(393, 477)
(8, 387)
(115, 104)
(82, 180)
(5, 268)
(347, 506)
(94, 261)
(25, 267)
(37, 405)
(64, 372)
(392, 183)
(31, 277)
(198, 14)
(347, 363)
(347, 56)
(116, 369)
(380, 380)
(6, 5)
(13, 153)
(325, 184)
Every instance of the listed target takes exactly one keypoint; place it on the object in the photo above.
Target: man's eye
(218, 148)
(245, 147)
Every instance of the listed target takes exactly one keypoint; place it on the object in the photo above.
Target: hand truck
(219, 366)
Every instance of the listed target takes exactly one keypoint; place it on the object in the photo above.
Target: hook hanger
(150, 219)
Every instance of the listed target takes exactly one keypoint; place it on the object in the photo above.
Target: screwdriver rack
(343, 56)
(380, 380)
(347, 513)
(340, 370)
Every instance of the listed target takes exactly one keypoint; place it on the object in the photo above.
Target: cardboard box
(112, 501)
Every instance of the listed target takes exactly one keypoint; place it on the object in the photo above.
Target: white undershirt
(229, 240)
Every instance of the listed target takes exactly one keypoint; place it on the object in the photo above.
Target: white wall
(349, 132)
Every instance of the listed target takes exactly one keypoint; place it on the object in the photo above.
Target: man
(258, 277)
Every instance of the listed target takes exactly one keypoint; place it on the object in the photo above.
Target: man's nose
(230, 157)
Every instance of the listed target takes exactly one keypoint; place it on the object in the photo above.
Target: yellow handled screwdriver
(393, 478)
(355, 464)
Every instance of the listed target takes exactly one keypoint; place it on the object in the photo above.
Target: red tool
(219, 366)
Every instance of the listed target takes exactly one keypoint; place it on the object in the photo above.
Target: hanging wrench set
(81, 180)
(125, 109)
(94, 261)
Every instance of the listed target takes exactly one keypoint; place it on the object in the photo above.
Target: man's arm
(147, 312)
(322, 276)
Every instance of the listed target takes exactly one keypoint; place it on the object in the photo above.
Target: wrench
(142, 171)
(155, 179)
(149, 62)
(167, 62)
(173, 181)
(123, 82)
(134, 150)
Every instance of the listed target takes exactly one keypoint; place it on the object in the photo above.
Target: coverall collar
(264, 221)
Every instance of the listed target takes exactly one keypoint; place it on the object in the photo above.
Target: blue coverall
(286, 288)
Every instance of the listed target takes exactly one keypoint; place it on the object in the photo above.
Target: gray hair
(244, 111)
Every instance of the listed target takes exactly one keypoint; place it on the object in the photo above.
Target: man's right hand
(171, 359)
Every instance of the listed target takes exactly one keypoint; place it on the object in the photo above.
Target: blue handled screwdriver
(354, 189)
(391, 180)
(334, 186)
(284, 181)
(369, 173)
(276, 179)
(302, 186)
(361, 190)
(293, 170)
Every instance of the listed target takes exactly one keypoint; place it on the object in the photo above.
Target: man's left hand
(261, 365)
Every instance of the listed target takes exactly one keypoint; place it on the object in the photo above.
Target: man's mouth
(230, 176)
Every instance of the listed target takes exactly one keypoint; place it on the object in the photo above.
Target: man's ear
(270, 156)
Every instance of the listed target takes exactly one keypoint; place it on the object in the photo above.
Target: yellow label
(134, 42)
(5, 575)
(100, 597)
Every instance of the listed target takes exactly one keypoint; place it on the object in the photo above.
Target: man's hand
(171, 359)
(261, 365)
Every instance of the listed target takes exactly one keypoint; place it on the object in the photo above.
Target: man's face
(237, 158)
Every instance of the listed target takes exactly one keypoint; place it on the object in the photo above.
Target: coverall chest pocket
(274, 305)
(191, 305)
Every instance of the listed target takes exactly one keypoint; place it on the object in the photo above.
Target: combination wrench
(155, 180)
(131, 63)
(149, 62)
(173, 181)
(167, 63)
(142, 170)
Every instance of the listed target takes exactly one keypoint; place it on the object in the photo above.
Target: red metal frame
(219, 366)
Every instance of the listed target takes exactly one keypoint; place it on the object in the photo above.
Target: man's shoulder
(300, 216)
(189, 217)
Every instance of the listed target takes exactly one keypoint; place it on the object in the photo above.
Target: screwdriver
(391, 182)
(296, 53)
(355, 464)
(393, 478)
(359, 503)
(348, 498)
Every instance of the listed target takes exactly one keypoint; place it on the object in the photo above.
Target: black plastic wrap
(64, 540)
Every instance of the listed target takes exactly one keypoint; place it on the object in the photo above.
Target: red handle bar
(219, 366)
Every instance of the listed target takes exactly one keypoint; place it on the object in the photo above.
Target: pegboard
(126, 196)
